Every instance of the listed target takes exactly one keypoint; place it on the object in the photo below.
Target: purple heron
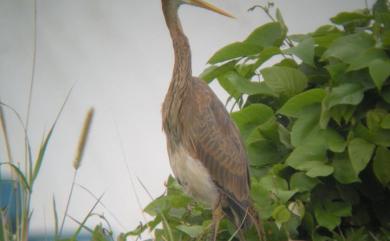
(206, 153)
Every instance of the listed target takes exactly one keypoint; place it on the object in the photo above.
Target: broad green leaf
(360, 152)
(380, 137)
(385, 123)
(311, 159)
(334, 140)
(273, 182)
(214, 71)
(306, 127)
(278, 186)
(262, 153)
(262, 199)
(250, 117)
(267, 35)
(302, 182)
(235, 85)
(297, 103)
(365, 59)
(345, 94)
(381, 165)
(234, 50)
(316, 169)
(329, 214)
(265, 55)
(230, 85)
(306, 153)
(304, 50)
(336, 70)
(345, 18)
(374, 119)
(157, 206)
(346, 48)
(284, 80)
(325, 35)
(343, 170)
(281, 214)
(379, 71)
(193, 231)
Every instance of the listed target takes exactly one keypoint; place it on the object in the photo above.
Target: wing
(213, 138)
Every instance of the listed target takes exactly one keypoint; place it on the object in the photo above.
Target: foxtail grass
(77, 162)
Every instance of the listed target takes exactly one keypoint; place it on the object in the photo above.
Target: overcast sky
(118, 56)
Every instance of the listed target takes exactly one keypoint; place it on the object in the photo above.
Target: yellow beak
(203, 4)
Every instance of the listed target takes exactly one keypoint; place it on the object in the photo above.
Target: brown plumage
(204, 146)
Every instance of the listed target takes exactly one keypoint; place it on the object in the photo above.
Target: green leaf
(306, 127)
(345, 18)
(379, 71)
(265, 55)
(278, 186)
(284, 80)
(304, 50)
(303, 154)
(261, 198)
(297, 103)
(343, 170)
(214, 71)
(346, 48)
(267, 35)
(365, 59)
(234, 50)
(250, 117)
(334, 140)
(262, 153)
(302, 182)
(235, 85)
(316, 169)
(157, 206)
(193, 231)
(381, 165)
(385, 123)
(345, 94)
(281, 214)
(374, 119)
(329, 213)
(360, 152)
(380, 137)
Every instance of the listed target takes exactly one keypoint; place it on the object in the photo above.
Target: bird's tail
(244, 215)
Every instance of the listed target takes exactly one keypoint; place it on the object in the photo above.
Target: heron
(205, 150)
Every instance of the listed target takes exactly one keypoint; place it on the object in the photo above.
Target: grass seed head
(83, 138)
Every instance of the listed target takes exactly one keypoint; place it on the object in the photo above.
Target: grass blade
(74, 236)
(20, 174)
(55, 219)
(43, 147)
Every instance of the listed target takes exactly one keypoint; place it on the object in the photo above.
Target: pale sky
(118, 56)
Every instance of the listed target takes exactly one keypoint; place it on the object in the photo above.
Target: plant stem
(68, 203)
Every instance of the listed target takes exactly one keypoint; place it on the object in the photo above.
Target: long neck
(182, 72)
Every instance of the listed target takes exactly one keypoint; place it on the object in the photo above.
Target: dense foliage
(316, 125)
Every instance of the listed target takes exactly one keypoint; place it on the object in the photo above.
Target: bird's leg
(217, 217)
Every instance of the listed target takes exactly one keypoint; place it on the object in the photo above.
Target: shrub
(316, 126)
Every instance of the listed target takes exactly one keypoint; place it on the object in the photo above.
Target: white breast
(194, 177)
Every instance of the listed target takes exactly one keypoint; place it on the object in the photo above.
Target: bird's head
(201, 4)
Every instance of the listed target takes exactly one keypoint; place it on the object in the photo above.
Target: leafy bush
(316, 126)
